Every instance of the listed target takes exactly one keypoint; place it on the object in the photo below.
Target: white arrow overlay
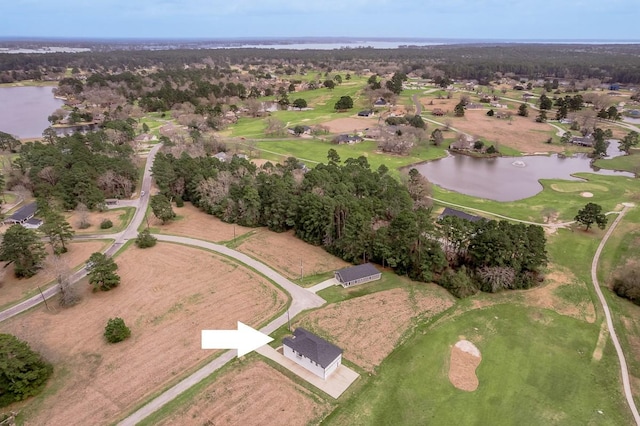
(245, 339)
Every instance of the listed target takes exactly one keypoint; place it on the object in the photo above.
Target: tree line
(359, 215)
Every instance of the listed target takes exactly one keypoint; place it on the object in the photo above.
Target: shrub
(106, 224)
(626, 282)
(145, 239)
(492, 150)
(116, 330)
(179, 202)
(23, 372)
(458, 283)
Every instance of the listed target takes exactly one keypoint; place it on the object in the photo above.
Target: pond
(24, 110)
(508, 178)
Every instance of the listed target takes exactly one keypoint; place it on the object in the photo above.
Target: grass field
(628, 163)
(545, 375)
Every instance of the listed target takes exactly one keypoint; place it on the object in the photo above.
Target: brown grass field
(194, 223)
(166, 303)
(385, 315)
(349, 124)
(283, 252)
(95, 218)
(13, 289)
(523, 134)
(252, 394)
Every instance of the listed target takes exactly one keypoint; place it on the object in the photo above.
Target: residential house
(306, 130)
(366, 113)
(438, 112)
(359, 274)
(473, 106)
(582, 140)
(380, 103)
(347, 139)
(25, 217)
(312, 352)
(457, 213)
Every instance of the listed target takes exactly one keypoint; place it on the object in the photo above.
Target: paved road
(607, 313)
(302, 299)
(130, 232)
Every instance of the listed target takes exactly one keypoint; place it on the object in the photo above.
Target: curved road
(302, 299)
(130, 232)
(607, 313)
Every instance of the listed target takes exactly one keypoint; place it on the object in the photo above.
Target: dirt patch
(116, 216)
(521, 133)
(446, 105)
(547, 297)
(349, 124)
(193, 222)
(13, 289)
(254, 394)
(284, 252)
(385, 316)
(166, 302)
(586, 194)
(602, 341)
(465, 358)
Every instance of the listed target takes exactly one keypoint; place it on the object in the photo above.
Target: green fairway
(536, 369)
(628, 163)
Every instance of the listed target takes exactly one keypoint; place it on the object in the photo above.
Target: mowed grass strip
(536, 369)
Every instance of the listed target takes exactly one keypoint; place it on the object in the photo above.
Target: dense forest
(360, 215)
(610, 63)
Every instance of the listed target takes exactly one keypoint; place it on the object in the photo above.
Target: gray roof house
(359, 274)
(347, 139)
(457, 213)
(312, 352)
(23, 215)
(582, 141)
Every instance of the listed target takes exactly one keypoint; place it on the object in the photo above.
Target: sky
(465, 19)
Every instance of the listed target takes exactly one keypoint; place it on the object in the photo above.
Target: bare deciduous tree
(83, 216)
(62, 272)
(496, 278)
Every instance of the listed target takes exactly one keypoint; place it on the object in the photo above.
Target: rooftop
(357, 272)
(24, 212)
(457, 213)
(313, 347)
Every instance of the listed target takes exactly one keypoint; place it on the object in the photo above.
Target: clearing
(520, 133)
(369, 327)
(119, 218)
(193, 222)
(13, 289)
(285, 253)
(350, 124)
(166, 302)
(251, 394)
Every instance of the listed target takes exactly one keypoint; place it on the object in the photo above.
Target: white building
(312, 352)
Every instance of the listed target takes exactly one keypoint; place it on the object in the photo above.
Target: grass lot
(629, 163)
(542, 376)
(314, 151)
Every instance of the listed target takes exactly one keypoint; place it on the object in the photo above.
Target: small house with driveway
(380, 103)
(347, 139)
(359, 274)
(312, 352)
(366, 113)
(25, 217)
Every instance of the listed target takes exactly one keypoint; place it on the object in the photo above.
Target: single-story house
(222, 156)
(347, 139)
(582, 140)
(24, 214)
(312, 352)
(473, 106)
(380, 103)
(438, 112)
(448, 211)
(306, 130)
(359, 274)
(366, 113)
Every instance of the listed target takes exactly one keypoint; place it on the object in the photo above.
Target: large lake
(24, 110)
(508, 178)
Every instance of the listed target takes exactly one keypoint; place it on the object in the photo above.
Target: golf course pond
(509, 178)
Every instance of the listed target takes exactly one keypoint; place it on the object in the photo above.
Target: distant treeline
(610, 63)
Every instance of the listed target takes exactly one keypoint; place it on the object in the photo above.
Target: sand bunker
(586, 194)
(465, 358)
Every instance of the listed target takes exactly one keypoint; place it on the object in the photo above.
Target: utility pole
(44, 298)
(289, 320)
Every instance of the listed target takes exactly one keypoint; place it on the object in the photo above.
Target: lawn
(628, 163)
(543, 376)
